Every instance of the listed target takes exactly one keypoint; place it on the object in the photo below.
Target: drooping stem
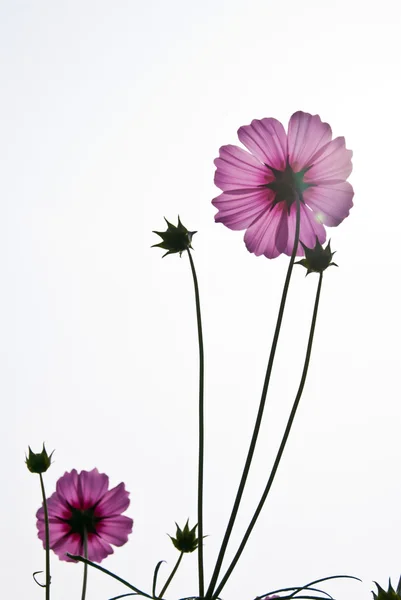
(201, 428)
(282, 445)
(85, 577)
(113, 575)
(258, 421)
(173, 572)
(47, 537)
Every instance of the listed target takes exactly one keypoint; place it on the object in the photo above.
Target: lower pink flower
(261, 187)
(83, 505)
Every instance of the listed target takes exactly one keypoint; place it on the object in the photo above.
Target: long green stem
(85, 577)
(201, 428)
(47, 537)
(173, 572)
(282, 445)
(258, 421)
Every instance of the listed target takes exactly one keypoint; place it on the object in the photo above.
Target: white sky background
(112, 114)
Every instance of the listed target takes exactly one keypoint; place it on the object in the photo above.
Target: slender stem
(308, 586)
(201, 428)
(113, 575)
(282, 445)
(47, 537)
(173, 572)
(85, 577)
(258, 421)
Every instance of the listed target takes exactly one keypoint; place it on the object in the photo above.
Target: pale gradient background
(111, 116)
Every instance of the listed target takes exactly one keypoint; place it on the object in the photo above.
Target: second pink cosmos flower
(261, 187)
(83, 506)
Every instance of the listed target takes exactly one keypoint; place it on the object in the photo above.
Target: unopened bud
(317, 259)
(38, 463)
(175, 239)
(185, 539)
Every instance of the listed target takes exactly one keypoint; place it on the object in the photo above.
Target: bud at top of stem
(317, 259)
(391, 594)
(175, 239)
(38, 463)
(185, 539)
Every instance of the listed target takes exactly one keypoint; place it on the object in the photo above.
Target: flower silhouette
(83, 506)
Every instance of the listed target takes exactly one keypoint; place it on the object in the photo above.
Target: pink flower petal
(274, 232)
(310, 227)
(115, 530)
(332, 165)
(239, 208)
(98, 549)
(57, 530)
(67, 488)
(306, 136)
(71, 543)
(114, 502)
(331, 202)
(267, 140)
(92, 486)
(56, 508)
(237, 169)
(268, 235)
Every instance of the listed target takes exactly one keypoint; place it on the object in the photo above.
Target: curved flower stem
(201, 428)
(307, 587)
(282, 445)
(85, 577)
(47, 537)
(258, 421)
(113, 575)
(173, 572)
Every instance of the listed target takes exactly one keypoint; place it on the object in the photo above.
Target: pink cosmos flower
(260, 187)
(83, 503)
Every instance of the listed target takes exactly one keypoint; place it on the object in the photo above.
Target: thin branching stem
(113, 575)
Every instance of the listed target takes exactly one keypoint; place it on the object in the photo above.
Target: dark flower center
(288, 185)
(82, 521)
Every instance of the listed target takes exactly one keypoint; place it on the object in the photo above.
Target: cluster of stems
(214, 589)
(216, 586)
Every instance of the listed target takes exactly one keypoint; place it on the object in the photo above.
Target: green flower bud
(175, 239)
(185, 539)
(38, 463)
(317, 259)
(391, 594)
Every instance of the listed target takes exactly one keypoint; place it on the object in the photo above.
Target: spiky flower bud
(391, 594)
(38, 463)
(185, 539)
(175, 239)
(317, 259)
